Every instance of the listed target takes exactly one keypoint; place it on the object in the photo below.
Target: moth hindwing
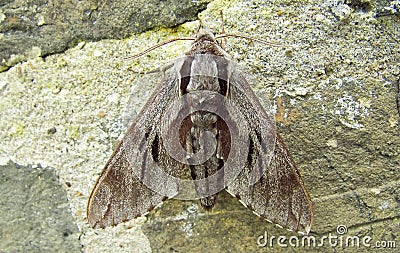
(202, 118)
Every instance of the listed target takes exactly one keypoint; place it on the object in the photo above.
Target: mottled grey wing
(119, 194)
(279, 195)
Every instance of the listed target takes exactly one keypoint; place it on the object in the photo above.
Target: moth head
(205, 35)
(204, 43)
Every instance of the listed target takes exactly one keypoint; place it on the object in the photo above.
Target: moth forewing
(119, 194)
(204, 117)
(269, 185)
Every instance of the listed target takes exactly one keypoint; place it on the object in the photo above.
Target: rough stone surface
(34, 212)
(39, 28)
(336, 97)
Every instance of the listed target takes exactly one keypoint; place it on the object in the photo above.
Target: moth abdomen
(204, 120)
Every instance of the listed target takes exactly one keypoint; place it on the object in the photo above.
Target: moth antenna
(155, 47)
(200, 26)
(223, 43)
(252, 39)
(222, 22)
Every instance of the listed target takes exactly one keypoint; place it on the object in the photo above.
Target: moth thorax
(203, 74)
(203, 119)
(198, 83)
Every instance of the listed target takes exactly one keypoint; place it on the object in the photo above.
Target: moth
(204, 119)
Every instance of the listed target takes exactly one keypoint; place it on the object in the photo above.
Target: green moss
(17, 129)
